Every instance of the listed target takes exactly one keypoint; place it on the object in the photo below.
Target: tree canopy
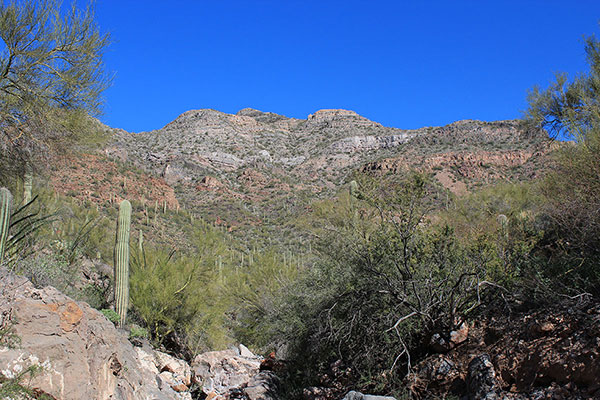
(51, 75)
(569, 108)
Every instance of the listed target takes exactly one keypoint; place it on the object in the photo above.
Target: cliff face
(318, 150)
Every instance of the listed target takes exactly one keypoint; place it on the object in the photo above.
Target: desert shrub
(111, 315)
(138, 332)
(504, 217)
(388, 279)
(255, 289)
(49, 269)
(165, 291)
(570, 251)
(181, 299)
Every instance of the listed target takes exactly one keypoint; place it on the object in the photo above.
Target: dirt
(94, 178)
(552, 352)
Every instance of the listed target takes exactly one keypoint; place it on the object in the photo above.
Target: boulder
(179, 368)
(352, 395)
(481, 379)
(235, 371)
(81, 353)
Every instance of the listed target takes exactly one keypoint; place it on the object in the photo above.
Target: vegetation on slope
(377, 275)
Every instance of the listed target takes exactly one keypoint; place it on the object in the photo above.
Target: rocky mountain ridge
(317, 149)
(257, 170)
(252, 164)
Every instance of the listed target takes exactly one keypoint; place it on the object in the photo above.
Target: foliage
(111, 315)
(569, 108)
(169, 294)
(570, 250)
(8, 337)
(257, 290)
(49, 269)
(138, 332)
(387, 280)
(51, 77)
(24, 227)
(18, 386)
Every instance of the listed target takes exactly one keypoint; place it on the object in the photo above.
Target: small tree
(51, 77)
(569, 108)
(571, 191)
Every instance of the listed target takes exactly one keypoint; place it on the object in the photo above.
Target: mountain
(255, 169)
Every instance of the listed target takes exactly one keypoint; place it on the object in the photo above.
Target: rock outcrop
(352, 395)
(81, 354)
(234, 372)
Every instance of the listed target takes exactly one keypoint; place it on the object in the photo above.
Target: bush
(174, 296)
(111, 315)
(571, 193)
(387, 281)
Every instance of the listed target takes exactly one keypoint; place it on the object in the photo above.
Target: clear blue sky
(405, 64)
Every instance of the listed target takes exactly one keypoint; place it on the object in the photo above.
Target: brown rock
(70, 316)
(81, 353)
(460, 334)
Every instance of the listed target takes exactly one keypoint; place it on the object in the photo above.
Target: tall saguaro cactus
(5, 206)
(122, 261)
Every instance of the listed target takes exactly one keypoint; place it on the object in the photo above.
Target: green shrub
(111, 315)
(138, 332)
(385, 282)
(173, 294)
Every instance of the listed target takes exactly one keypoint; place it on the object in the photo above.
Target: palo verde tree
(570, 108)
(51, 78)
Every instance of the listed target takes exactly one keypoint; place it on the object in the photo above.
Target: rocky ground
(550, 353)
(80, 354)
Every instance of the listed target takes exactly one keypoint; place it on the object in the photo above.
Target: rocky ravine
(525, 355)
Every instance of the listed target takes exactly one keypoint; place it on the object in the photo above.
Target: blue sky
(405, 64)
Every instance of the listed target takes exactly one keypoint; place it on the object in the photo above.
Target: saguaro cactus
(5, 205)
(141, 242)
(27, 186)
(122, 261)
(353, 189)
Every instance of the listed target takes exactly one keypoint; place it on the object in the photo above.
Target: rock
(179, 368)
(271, 363)
(262, 386)
(439, 344)
(245, 352)
(460, 334)
(443, 343)
(481, 379)
(316, 393)
(221, 372)
(147, 360)
(82, 354)
(366, 143)
(352, 395)
(167, 380)
(436, 373)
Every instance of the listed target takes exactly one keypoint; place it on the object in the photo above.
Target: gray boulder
(352, 395)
